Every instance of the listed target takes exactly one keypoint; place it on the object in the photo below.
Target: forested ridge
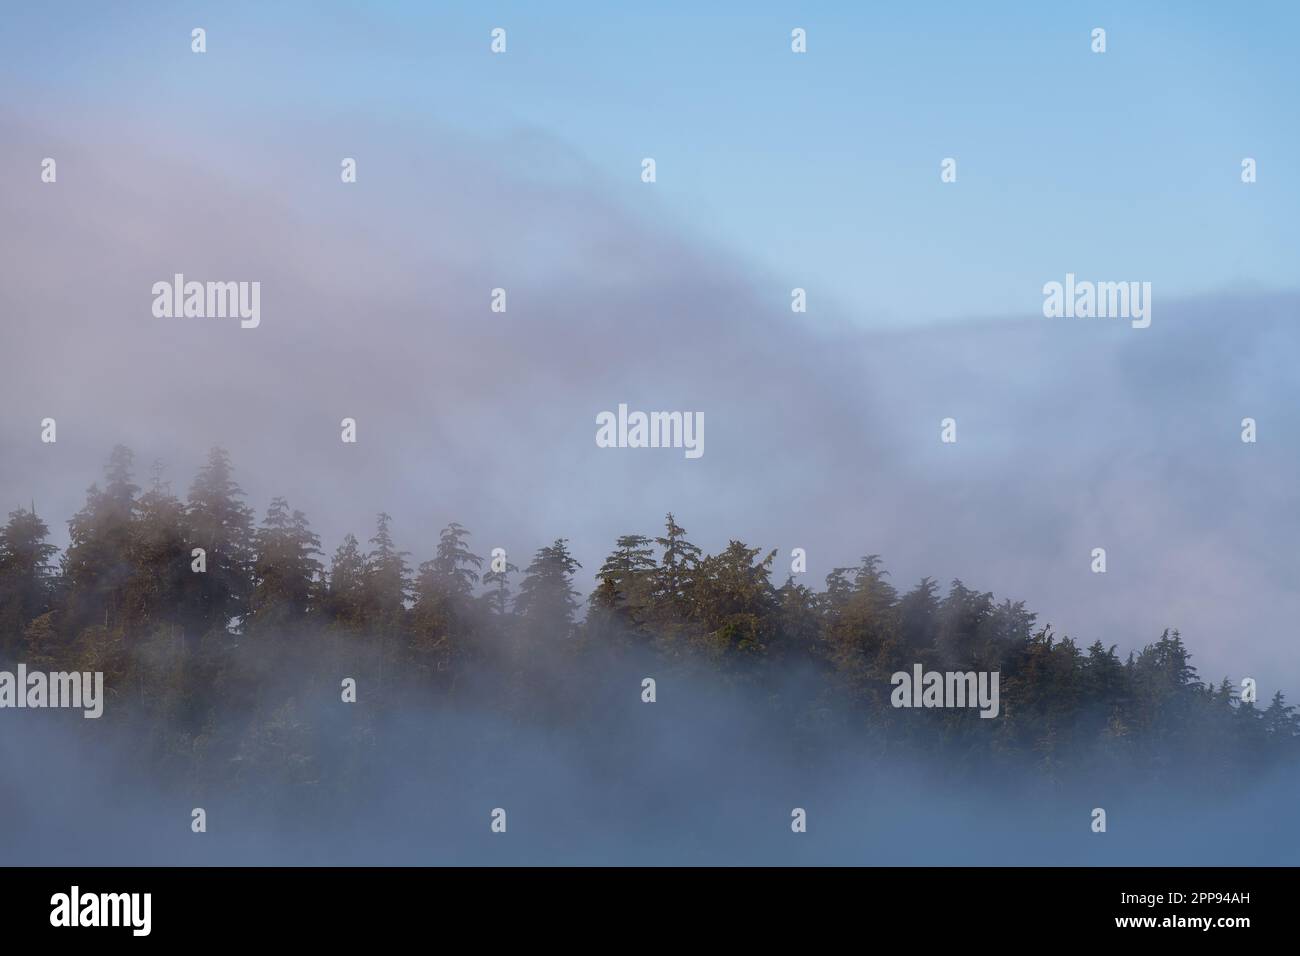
(227, 673)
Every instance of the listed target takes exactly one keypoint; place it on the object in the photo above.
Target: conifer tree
(388, 578)
(160, 560)
(453, 571)
(441, 618)
(1282, 724)
(497, 597)
(918, 621)
(734, 600)
(624, 592)
(286, 571)
(25, 575)
(860, 634)
(345, 593)
(222, 525)
(547, 599)
(97, 565)
(674, 580)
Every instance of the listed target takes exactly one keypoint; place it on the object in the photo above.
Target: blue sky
(820, 170)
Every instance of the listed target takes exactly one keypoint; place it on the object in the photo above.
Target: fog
(704, 776)
(822, 433)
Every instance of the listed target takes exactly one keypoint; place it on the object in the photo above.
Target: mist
(823, 434)
(707, 775)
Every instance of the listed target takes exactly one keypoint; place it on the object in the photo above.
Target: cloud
(822, 433)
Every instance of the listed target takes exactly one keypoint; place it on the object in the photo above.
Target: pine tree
(734, 599)
(25, 575)
(441, 619)
(963, 616)
(452, 573)
(1282, 725)
(547, 599)
(1164, 677)
(388, 578)
(222, 525)
(126, 577)
(798, 620)
(286, 572)
(860, 634)
(1007, 627)
(674, 581)
(345, 595)
(160, 560)
(498, 596)
(918, 620)
(1105, 682)
(622, 599)
(98, 561)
